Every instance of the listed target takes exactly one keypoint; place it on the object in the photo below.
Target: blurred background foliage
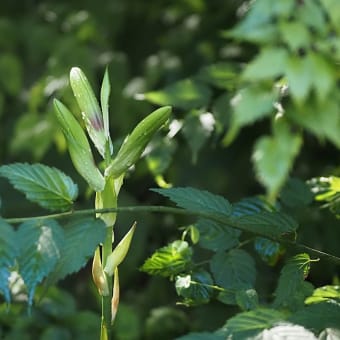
(221, 65)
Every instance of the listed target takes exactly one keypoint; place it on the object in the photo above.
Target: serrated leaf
(197, 200)
(291, 279)
(40, 244)
(233, 270)
(286, 331)
(195, 288)
(8, 254)
(325, 293)
(247, 299)
(215, 236)
(268, 250)
(47, 186)
(271, 224)
(81, 239)
(250, 206)
(273, 157)
(184, 94)
(318, 316)
(248, 324)
(170, 260)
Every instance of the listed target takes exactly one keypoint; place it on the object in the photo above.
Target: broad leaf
(291, 279)
(49, 187)
(197, 200)
(250, 206)
(215, 236)
(248, 324)
(296, 193)
(268, 250)
(170, 260)
(233, 270)
(40, 244)
(201, 336)
(8, 254)
(185, 94)
(195, 288)
(286, 331)
(273, 157)
(271, 224)
(318, 316)
(247, 299)
(81, 239)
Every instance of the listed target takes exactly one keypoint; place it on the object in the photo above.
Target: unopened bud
(115, 296)
(98, 274)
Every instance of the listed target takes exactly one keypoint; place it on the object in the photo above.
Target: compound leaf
(40, 244)
(47, 186)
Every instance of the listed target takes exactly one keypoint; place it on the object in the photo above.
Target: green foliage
(169, 260)
(49, 187)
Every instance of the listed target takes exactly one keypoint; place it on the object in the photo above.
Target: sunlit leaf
(169, 260)
(196, 200)
(40, 244)
(234, 269)
(295, 34)
(325, 293)
(49, 187)
(8, 254)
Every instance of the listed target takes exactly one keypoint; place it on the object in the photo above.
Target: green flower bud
(90, 110)
(119, 253)
(115, 296)
(79, 147)
(134, 145)
(98, 274)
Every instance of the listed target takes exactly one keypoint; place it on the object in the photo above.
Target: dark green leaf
(233, 270)
(201, 336)
(185, 94)
(268, 250)
(296, 193)
(195, 288)
(271, 224)
(8, 254)
(247, 299)
(81, 239)
(40, 244)
(291, 279)
(318, 316)
(250, 206)
(197, 200)
(215, 236)
(49, 187)
(170, 260)
(248, 324)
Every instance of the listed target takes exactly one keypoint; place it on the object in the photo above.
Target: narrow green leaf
(233, 270)
(318, 316)
(295, 34)
(49, 187)
(40, 244)
(195, 288)
(215, 236)
(291, 279)
(197, 200)
(170, 260)
(8, 254)
(104, 102)
(185, 94)
(81, 239)
(247, 324)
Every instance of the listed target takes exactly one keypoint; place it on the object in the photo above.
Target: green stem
(179, 211)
